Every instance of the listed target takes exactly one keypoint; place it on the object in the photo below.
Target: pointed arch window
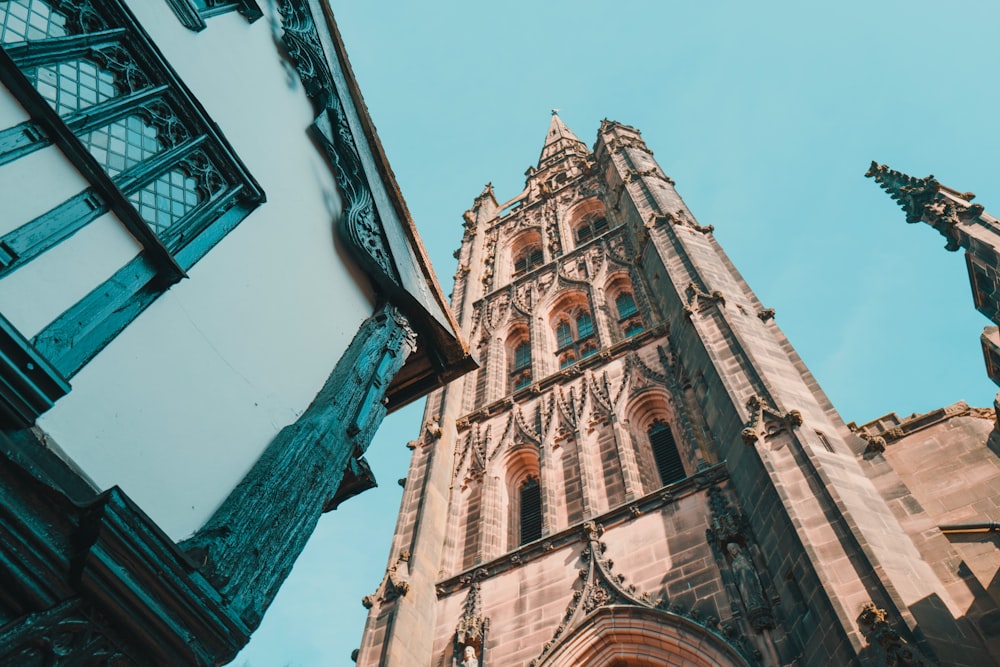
(530, 511)
(668, 459)
(575, 336)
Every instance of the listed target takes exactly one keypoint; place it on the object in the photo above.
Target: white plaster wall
(35, 184)
(181, 404)
(38, 292)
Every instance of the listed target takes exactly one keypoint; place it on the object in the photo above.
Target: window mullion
(55, 49)
(103, 113)
(155, 166)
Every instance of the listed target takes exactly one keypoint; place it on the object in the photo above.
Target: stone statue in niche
(469, 658)
(748, 583)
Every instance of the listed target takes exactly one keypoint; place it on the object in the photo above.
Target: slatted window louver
(668, 459)
(531, 511)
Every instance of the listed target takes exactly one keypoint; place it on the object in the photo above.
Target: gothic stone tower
(643, 471)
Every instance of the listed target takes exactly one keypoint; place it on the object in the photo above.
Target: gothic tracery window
(575, 336)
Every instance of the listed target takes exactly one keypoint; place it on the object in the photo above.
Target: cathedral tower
(643, 471)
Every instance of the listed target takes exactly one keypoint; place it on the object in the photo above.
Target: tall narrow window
(531, 511)
(575, 336)
(668, 459)
(521, 374)
(522, 356)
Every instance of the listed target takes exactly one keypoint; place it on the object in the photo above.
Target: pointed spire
(560, 142)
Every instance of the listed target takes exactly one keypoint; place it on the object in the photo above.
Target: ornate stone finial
(922, 199)
(876, 444)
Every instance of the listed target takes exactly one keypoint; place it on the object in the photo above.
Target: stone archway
(627, 636)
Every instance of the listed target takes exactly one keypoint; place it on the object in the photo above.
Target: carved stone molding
(473, 627)
(652, 502)
(599, 586)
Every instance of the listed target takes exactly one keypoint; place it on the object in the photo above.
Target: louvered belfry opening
(531, 511)
(668, 459)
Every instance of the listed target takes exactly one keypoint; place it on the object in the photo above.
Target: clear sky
(767, 115)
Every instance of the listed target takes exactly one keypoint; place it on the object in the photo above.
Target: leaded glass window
(522, 356)
(584, 325)
(27, 20)
(93, 83)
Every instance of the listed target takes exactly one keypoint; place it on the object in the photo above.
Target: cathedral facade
(644, 472)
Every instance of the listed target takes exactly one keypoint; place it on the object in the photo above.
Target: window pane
(564, 336)
(26, 20)
(625, 304)
(584, 325)
(73, 85)
(522, 356)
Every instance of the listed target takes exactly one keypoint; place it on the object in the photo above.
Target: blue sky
(767, 115)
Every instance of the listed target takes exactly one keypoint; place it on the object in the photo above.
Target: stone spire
(560, 142)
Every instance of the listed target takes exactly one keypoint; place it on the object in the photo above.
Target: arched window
(584, 325)
(668, 459)
(531, 511)
(527, 259)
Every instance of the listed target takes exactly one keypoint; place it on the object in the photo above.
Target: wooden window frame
(192, 13)
(66, 344)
